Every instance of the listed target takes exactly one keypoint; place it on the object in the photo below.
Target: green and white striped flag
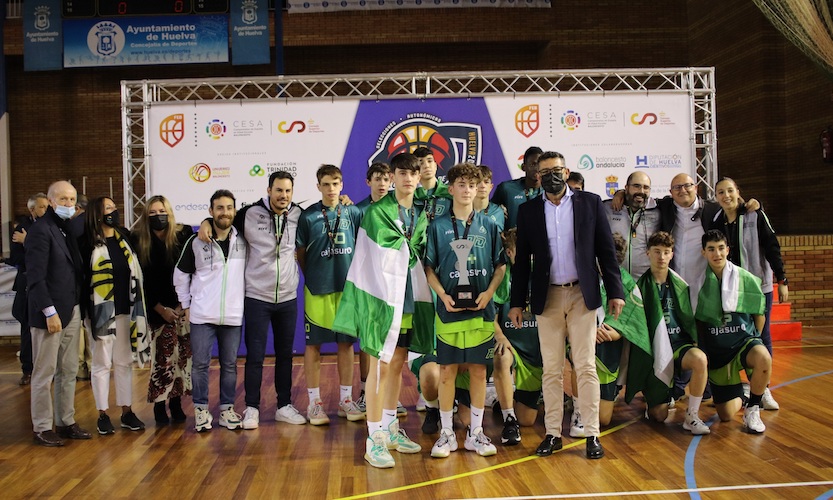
(737, 291)
(371, 305)
(663, 364)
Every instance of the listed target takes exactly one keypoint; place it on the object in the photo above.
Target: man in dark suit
(561, 236)
(54, 274)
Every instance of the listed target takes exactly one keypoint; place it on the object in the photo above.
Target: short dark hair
(713, 236)
(221, 193)
(378, 168)
(532, 150)
(327, 169)
(404, 161)
(546, 155)
(661, 239)
(422, 152)
(468, 171)
(576, 177)
(485, 172)
(281, 174)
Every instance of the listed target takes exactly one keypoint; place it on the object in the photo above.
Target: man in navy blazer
(54, 274)
(563, 241)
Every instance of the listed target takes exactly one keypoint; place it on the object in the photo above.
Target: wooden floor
(793, 459)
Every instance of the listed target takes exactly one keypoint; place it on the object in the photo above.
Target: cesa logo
(172, 129)
(570, 120)
(215, 129)
(284, 129)
(527, 120)
(200, 172)
(647, 118)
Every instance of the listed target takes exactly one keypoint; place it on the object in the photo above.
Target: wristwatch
(784, 281)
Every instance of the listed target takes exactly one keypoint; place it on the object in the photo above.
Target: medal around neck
(464, 294)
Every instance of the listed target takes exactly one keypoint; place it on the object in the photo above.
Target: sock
(754, 399)
(694, 404)
(446, 419)
(345, 392)
(373, 427)
(509, 412)
(575, 404)
(388, 417)
(314, 394)
(432, 404)
(476, 417)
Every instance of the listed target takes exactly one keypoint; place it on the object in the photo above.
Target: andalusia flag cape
(736, 291)
(658, 367)
(372, 302)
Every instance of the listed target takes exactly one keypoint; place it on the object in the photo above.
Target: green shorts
(725, 381)
(528, 381)
(319, 314)
(655, 391)
(470, 346)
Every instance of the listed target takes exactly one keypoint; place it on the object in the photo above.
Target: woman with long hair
(158, 240)
(116, 311)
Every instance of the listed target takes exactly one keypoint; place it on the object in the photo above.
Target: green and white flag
(372, 303)
(737, 291)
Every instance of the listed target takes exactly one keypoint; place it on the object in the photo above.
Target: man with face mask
(54, 275)
(561, 235)
(636, 222)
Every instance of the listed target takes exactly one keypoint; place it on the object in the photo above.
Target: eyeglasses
(640, 187)
(556, 170)
(677, 187)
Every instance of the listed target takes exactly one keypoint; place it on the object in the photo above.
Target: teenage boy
(464, 244)
(387, 304)
(481, 200)
(673, 337)
(378, 180)
(730, 316)
(432, 193)
(512, 193)
(324, 245)
(209, 283)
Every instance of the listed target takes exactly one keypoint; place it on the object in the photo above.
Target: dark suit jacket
(17, 257)
(53, 270)
(593, 241)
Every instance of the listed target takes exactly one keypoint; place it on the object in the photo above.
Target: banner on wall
(249, 32)
(145, 40)
(196, 149)
(309, 6)
(42, 35)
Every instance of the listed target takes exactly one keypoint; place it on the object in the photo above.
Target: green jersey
(722, 343)
(328, 237)
(434, 202)
(495, 212)
(486, 254)
(365, 204)
(676, 334)
(511, 194)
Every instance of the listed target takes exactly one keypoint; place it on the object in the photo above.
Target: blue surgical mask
(65, 213)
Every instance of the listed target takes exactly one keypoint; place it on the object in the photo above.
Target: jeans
(228, 341)
(283, 318)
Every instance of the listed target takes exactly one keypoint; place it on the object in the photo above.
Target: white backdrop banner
(196, 149)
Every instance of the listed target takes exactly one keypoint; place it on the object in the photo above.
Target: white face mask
(64, 213)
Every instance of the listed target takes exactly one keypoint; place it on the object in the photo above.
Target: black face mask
(552, 183)
(111, 219)
(159, 222)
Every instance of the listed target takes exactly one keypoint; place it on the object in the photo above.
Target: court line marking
(479, 471)
(825, 496)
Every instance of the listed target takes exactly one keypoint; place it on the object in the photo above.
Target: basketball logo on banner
(172, 129)
(527, 120)
(200, 172)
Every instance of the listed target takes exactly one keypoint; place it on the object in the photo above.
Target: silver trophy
(464, 294)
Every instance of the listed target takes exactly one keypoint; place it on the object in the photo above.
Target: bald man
(636, 221)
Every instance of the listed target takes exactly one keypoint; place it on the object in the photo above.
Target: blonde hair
(145, 236)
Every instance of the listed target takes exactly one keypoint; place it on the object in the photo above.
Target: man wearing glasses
(561, 234)
(636, 222)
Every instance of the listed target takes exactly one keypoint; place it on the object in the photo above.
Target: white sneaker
(491, 396)
(230, 419)
(695, 425)
(576, 425)
(362, 403)
(316, 414)
(251, 418)
(479, 442)
(349, 409)
(203, 419)
(768, 402)
(290, 415)
(446, 443)
(376, 452)
(398, 440)
(420, 406)
(752, 422)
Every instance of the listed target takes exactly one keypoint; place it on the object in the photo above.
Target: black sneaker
(431, 425)
(104, 426)
(511, 434)
(130, 421)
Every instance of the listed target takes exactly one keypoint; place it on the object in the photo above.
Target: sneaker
(130, 421)
(400, 441)
(104, 425)
(480, 442)
(672, 404)
(431, 424)
(420, 406)
(290, 415)
(251, 418)
(752, 422)
(349, 409)
(445, 444)
(316, 414)
(768, 402)
(576, 425)
(511, 434)
(491, 396)
(202, 419)
(376, 452)
(362, 403)
(401, 411)
(230, 419)
(695, 425)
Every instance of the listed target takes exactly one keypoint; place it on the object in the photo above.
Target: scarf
(737, 291)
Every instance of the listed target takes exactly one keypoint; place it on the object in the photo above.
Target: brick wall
(808, 261)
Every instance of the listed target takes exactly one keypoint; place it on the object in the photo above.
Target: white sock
(388, 417)
(314, 394)
(432, 404)
(694, 404)
(446, 419)
(476, 417)
(509, 412)
(373, 427)
(345, 392)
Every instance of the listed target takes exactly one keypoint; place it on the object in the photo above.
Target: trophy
(464, 294)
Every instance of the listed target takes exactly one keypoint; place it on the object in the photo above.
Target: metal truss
(138, 96)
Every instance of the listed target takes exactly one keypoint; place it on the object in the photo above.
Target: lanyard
(635, 225)
(431, 208)
(281, 226)
(331, 231)
(466, 230)
(412, 214)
